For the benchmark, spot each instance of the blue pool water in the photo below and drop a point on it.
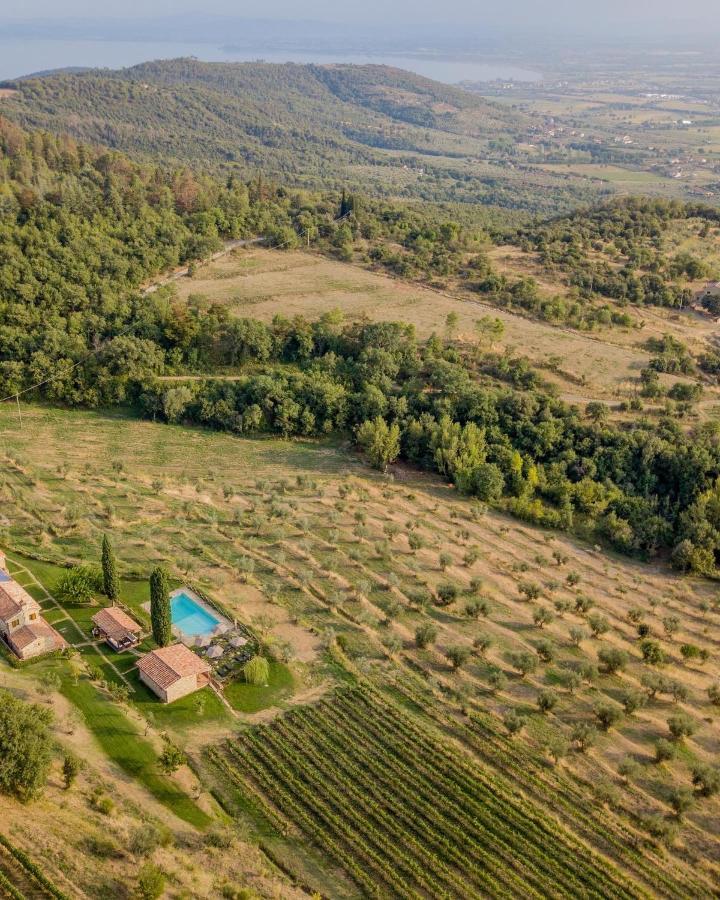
(190, 617)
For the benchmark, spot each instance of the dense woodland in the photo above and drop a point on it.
(617, 250)
(82, 229)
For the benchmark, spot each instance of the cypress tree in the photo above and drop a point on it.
(160, 607)
(111, 582)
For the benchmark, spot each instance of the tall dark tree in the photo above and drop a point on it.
(111, 582)
(160, 607)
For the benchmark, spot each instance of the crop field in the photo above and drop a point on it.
(303, 542)
(404, 815)
(23, 879)
(631, 180)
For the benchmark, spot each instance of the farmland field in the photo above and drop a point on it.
(301, 541)
(405, 815)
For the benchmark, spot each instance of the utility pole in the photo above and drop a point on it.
(17, 400)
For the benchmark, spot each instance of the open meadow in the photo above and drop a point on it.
(603, 365)
(516, 652)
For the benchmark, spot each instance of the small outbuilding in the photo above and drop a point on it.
(173, 672)
(116, 628)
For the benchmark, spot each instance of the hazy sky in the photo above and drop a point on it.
(698, 16)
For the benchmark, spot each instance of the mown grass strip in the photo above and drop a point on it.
(125, 746)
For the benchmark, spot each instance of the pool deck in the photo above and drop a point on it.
(199, 640)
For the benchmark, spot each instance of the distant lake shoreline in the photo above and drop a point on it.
(26, 56)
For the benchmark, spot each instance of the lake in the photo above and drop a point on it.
(23, 57)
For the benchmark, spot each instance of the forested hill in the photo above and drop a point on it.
(362, 127)
(283, 118)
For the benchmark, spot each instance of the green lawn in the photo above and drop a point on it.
(200, 708)
(248, 698)
(124, 744)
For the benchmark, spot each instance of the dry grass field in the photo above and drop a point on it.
(305, 542)
(604, 365)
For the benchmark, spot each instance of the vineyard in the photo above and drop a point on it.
(404, 815)
(21, 879)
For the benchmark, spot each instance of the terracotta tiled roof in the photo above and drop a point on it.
(115, 622)
(25, 636)
(14, 598)
(8, 607)
(167, 665)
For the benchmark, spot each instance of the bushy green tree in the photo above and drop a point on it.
(26, 746)
(379, 441)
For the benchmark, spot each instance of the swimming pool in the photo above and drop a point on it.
(191, 618)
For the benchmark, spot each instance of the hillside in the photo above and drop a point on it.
(337, 566)
(356, 126)
(444, 487)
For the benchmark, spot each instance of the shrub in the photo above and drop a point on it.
(150, 883)
(425, 635)
(547, 701)
(256, 671)
(524, 662)
(71, 769)
(146, 838)
(681, 725)
(608, 715)
(446, 593)
(458, 656)
(102, 803)
(706, 779)
(713, 693)
(612, 659)
(664, 751)
(689, 651)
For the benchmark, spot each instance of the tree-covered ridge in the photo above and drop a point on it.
(486, 423)
(315, 126)
(618, 250)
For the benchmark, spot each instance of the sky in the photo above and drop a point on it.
(688, 16)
